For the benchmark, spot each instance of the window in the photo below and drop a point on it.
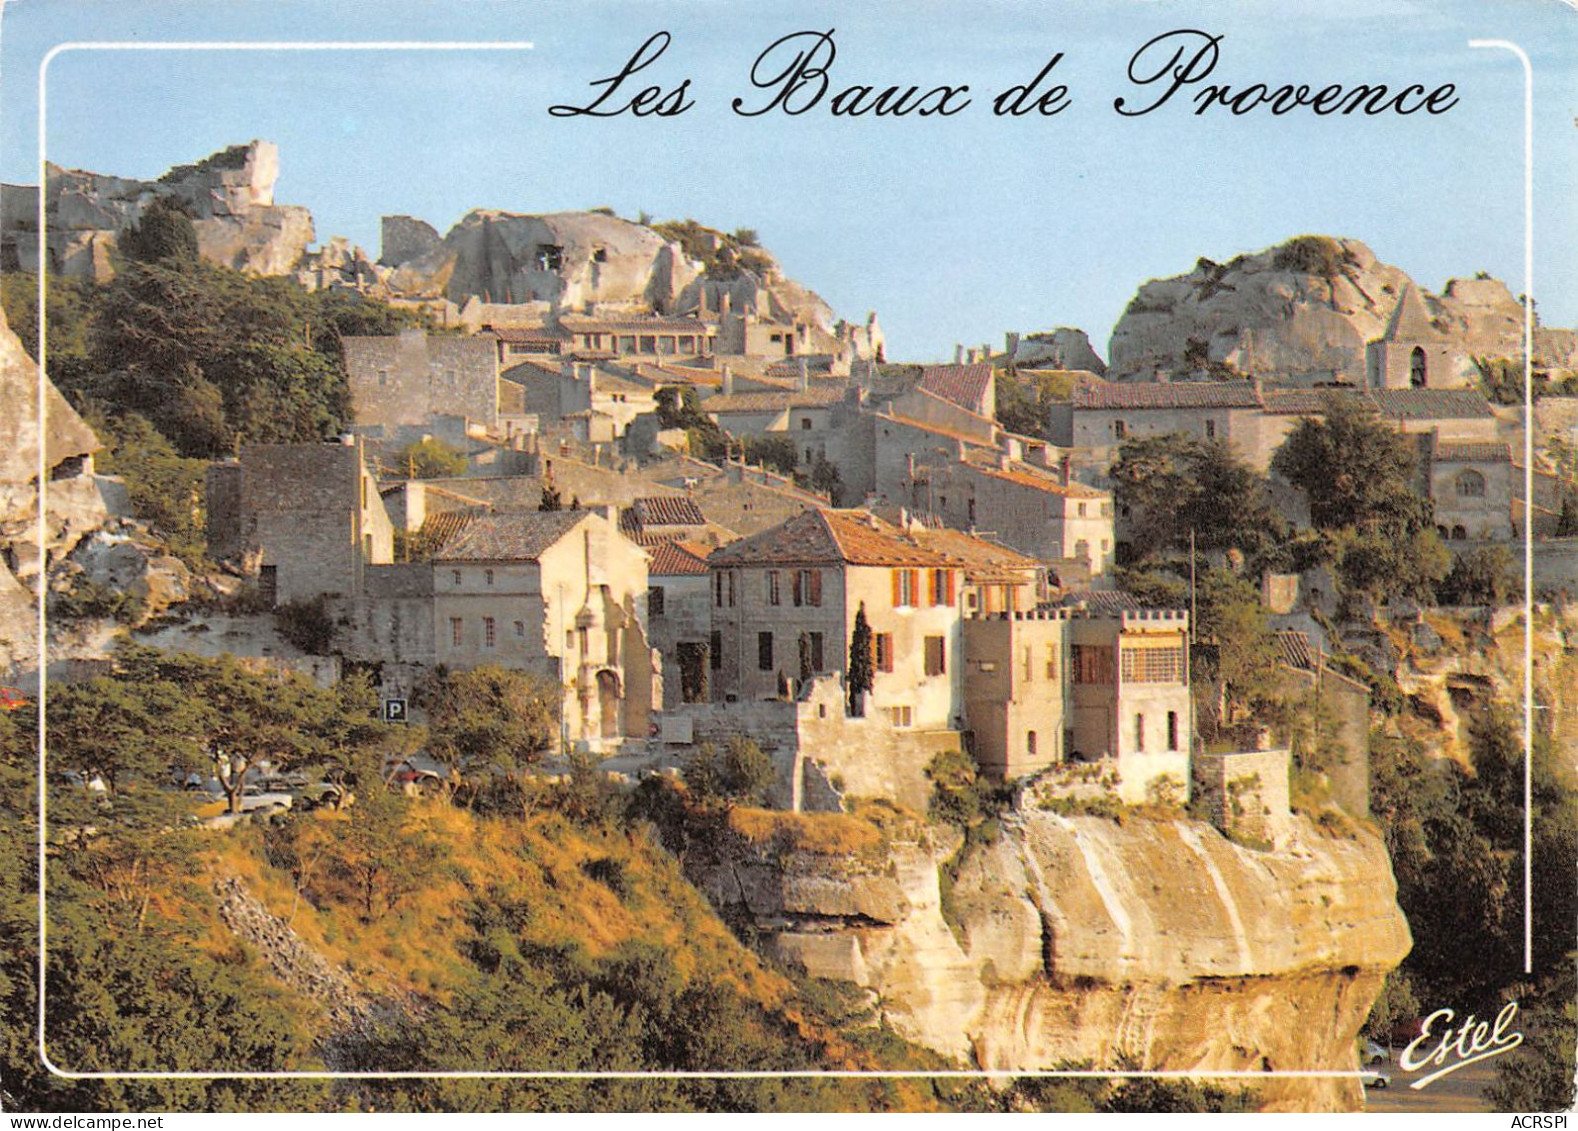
(490, 637)
(805, 424)
(734, 578)
(1139, 733)
(808, 587)
(764, 651)
(723, 588)
(1119, 429)
(1081, 510)
(941, 587)
(456, 631)
(367, 547)
(905, 584)
(648, 343)
(715, 646)
(1470, 484)
(487, 577)
(816, 651)
(550, 257)
(1172, 730)
(520, 628)
(1153, 665)
(1416, 368)
(884, 646)
(774, 597)
(901, 716)
(383, 378)
(970, 509)
(1091, 663)
(627, 343)
(454, 577)
(583, 640)
(599, 255)
(1051, 661)
(1030, 743)
(1082, 550)
(655, 600)
(1210, 429)
(1029, 671)
(268, 583)
(936, 663)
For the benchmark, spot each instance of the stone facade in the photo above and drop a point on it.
(307, 517)
(403, 382)
(1050, 686)
(563, 594)
(1246, 794)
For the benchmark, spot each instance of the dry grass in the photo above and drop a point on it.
(822, 834)
(538, 865)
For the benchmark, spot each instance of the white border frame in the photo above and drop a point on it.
(989, 1074)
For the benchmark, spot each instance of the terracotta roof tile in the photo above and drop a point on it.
(831, 537)
(963, 385)
(772, 402)
(1447, 452)
(509, 537)
(1431, 404)
(1174, 394)
(677, 558)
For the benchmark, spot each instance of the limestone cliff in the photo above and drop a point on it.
(1304, 311)
(1155, 943)
(230, 195)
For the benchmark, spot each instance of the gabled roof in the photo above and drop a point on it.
(773, 402)
(1410, 321)
(1028, 475)
(983, 560)
(518, 536)
(1453, 452)
(671, 559)
(963, 385)
(1431, 404)
(1109, 601)
(1099, 395)
(831, 537)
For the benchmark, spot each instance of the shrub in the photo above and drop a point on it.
(306, 625)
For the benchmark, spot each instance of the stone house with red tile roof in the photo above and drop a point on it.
(784, 604)
(679, 618)
(561, 593)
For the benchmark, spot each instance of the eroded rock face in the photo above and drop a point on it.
(1075, 939)
(564, 258)
(1062, 348)
(1287, 314)
(230, 195)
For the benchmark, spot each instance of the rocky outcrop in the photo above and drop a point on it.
(1062, 348)
(564, 259)
(1153, 943)
(230, 195)
(74, 504)
(1304, 311)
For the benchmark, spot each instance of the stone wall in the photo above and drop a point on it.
(1246, 793)
(405, 380)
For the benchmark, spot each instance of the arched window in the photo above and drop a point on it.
(1470, 484)
(1459, 534)
(1030, 743)
(1416, 367)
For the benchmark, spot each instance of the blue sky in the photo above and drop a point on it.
(953, 230)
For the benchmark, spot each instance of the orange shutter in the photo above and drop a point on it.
(950, 588)
(816, 587)
(896, 594)
(915, 587)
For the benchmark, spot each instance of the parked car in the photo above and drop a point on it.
(1375, 1054)
(1375, 1078)
(12, 699)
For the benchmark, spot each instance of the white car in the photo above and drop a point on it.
(1375, 1054)
(1375, 1078)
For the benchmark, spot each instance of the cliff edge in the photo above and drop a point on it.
(1155, 943)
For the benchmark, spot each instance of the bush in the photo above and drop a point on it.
(740, 774)
(88, 600)
(1312, 255)
(306, 625)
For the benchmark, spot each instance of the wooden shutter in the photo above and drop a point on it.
(798, 574)
(950, 590)
(897, 596)
(816, 586)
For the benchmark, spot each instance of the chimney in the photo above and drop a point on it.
(802, 375)
(1003, 461)
(611, 513)
(986, 352)
(728, 382)
(1067, 469)
(969, 357)
(958, 353)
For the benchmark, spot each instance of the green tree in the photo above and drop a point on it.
(861, 673)
(826, 479)
(430, 458)
(166, 490)
(1231, 617)
(1479, 577)
(490, 716)
(738, 774)
(550, 500)
(1355, 470)
(163, 234)
(1567, 520)
(379, 854)
(1172, 484)
(774, 450)
(1538, 1075)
